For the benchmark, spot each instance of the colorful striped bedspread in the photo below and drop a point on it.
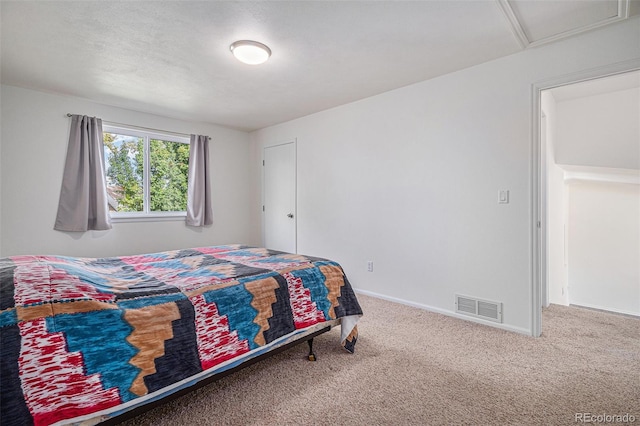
(85, 339)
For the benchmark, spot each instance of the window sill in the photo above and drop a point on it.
(152, 217)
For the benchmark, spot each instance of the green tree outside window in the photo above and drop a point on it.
(125, 169)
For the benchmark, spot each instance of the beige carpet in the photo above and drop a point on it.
(413, 367)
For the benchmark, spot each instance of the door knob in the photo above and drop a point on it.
(290, 215)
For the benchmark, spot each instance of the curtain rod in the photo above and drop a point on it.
(112, 123)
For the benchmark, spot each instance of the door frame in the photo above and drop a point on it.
(538, 214)
(293, 141)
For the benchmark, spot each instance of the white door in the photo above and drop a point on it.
(279, 197)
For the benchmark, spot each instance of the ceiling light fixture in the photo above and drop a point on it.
(250, 52)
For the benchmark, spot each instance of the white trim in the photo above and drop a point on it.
(535, 216)
(544, 220)
(606, 309)
(538, 211)
(574, 174)
(146, 180)
(623, 13)
(514, 23)
(590, 74)
(144, 131)
(151, 217)
(446, 312)
(518, 30)
(149, 130)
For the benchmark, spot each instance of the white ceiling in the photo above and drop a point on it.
(172, 57)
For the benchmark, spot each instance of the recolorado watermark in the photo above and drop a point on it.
(604, 418)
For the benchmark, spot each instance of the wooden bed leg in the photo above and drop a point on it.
(311, 356)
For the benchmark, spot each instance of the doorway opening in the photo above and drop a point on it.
(588, 193)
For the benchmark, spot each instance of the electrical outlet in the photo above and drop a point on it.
(370, 266)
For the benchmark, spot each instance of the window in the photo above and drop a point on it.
(146, 174)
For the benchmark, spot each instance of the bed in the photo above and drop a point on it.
(86, 340)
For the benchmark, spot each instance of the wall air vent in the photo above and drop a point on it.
(479, 308)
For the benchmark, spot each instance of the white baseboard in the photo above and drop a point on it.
(606, 309)
(449, 313)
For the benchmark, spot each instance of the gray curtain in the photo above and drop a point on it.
(199, 210)
(83, 201)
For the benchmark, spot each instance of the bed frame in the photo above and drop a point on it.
(147, 407)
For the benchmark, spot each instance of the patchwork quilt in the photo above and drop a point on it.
(85, 339)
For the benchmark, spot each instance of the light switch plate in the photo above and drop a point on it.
(503, 196)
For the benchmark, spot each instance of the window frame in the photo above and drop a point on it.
(147, 215)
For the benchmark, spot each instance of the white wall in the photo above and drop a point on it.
(35, 133)
(604, 246)
(600, 130)
(410, 178)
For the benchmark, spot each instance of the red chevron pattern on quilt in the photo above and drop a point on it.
(54, 382)
(35, 282)
(32, 285)
(305, 311)
(82, 337)
(216, 343)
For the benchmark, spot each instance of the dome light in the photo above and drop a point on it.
(250, 52)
